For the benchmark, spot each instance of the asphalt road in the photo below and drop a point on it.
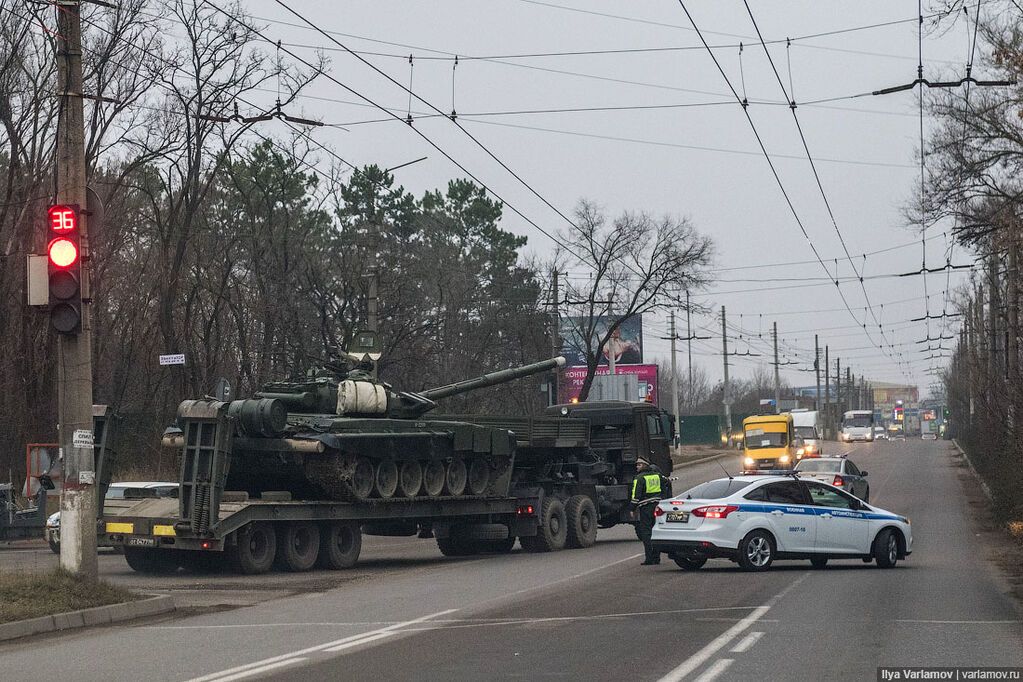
(407, 613)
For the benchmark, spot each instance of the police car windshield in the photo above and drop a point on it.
(715, 490)
(818, 466)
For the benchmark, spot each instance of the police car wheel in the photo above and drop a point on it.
(886, 549)
(819, 562)
(756, 551)
(689, 563)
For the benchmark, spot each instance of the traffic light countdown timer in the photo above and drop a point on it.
(64, 268)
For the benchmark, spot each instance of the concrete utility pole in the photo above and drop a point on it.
(611, 355)
(552, 393)
(674, 381)
(777, 377)
(689, 344)
(726, 397)
(817, 371)
(828, 420)
(849, 387)
(838, 388)
(78, 503)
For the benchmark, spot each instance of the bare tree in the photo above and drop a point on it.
(625, 267)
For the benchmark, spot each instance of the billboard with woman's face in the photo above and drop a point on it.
(626, 343)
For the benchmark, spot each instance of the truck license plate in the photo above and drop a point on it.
(678, 517)
(140, 542)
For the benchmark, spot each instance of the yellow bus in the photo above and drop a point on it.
(769, 442)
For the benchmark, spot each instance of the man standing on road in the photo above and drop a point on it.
(648, 487)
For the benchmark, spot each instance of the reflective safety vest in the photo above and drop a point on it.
(651, 487)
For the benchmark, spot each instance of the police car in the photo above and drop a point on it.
(755, 520)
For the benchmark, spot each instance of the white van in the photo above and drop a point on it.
(808, 426)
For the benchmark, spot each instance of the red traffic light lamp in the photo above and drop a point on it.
(65, 269)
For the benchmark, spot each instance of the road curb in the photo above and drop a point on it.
(100, 615)
(969, 463)
(694, 462)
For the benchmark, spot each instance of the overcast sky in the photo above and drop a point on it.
(699, 161)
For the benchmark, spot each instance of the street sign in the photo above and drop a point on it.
(82, 438)
(174, 359)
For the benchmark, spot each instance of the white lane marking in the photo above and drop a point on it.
(457, 621)
(313, 649)
(962, 622)
(364, 640)
(721, 641)
(712, 672)
(260, 671)
(746, 642)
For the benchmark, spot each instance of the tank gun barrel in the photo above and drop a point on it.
(492, 378)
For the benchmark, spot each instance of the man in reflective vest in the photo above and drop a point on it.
(648, 488)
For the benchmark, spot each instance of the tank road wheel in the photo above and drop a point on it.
(454, 477)
(363, 476)
(254, 549)
(298, 545)
(582, 521)
(386, 482)
(340, 545)
(552, 531)
(410, 478)
(433, 478)
(479, 476)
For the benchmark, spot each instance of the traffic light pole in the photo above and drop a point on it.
(78, 503)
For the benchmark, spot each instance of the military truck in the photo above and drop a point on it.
(295, 476)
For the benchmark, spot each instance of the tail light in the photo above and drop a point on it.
(525, 510)
(715, 512)
(838, 482)
(658, 512)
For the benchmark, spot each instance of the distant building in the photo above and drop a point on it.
(886, 395)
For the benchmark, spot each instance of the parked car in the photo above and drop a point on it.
(756, 519)
(116, 491)
(839, 472)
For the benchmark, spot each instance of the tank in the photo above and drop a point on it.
(351, 438)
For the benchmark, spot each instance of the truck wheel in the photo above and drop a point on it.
(410, 478)
(454, 479)
(479, 476)
(552, 531)
(145, 560)
(254, 549)
(298, 545)
(386, 480)
(582, 522)
(363, 477)
(433, 478)
(340, 545)
(454, 546)
(687, 562)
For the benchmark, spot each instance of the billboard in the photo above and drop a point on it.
(627, 343)
(572, 380)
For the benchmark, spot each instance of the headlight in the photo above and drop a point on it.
(784, 459)
(749, 461)
(800, 452)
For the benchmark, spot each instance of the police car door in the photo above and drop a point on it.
(792, 521)
(840, 526)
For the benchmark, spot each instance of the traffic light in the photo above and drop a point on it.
(64, 266)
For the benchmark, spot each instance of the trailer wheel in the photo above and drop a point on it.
(340, 545)
(410, 478)
(386, 481)
(582, 522)
(298, 545)
(455, 477)
(156, 561)
(254, 549)
(479, 476)
(433, 478)
(552, 531)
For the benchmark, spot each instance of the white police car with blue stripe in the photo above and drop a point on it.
(756, 519)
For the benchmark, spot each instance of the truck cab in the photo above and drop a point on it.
(769, 442)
